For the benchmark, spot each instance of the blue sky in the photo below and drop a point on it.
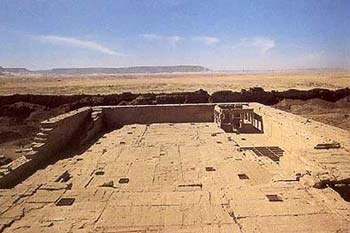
(221, 34)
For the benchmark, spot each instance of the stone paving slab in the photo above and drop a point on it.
(174, 178)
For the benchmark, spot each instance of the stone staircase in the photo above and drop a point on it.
(93, 126)
(39, 144)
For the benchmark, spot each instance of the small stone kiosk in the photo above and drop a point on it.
(238, 118)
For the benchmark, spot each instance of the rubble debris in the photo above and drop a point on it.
(298, 176)
(65, 201)
(52, 186)
(343, 190)
(99, 173)
(274, 198)
(243, 176)
(190, 185)
(109, 184)
(321, 146)
(124, 180)
(210, 169)
(64, 177)
(46, 224)
(272, 152)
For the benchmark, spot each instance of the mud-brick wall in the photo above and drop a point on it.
(182, 113)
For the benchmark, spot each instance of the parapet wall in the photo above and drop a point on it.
(55, 136)
(116, 116)
(62, 128)
(300, 138)
(296, 132)
(77, 127)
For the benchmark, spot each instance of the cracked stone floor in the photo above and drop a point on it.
(169, 178)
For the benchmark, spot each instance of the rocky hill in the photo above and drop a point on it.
(126, 70)
(121, 70)
(15, 70)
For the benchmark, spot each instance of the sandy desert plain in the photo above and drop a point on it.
(157, 83)
(18, 129)
(185, 177)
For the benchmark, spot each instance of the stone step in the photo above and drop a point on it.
(95, 114)
(48, 124)
(26, 150)
(95, 118)
(40, 139)
(46, 130)
(41, 135)
(31, 154)
(96, 109)
(37, 146)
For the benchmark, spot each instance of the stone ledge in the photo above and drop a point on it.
(54, 133)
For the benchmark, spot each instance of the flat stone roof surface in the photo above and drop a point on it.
(171, 178)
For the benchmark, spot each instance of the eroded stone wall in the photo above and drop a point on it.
(293, 131)
(55, 136)
(122, 115)
(289, 131)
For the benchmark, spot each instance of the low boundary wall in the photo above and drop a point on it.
(146, 114)
(54, 137)
(297, 132)
(79, 126)
(57, 134)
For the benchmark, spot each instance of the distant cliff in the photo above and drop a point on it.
(121, 70)
(15, 70)
(126, 70)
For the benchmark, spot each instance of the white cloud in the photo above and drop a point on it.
(155, 37)
(78, 43)
(263, 44)
(208, 40)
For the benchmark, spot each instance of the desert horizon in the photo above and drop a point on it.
(167, 83)
(174, 116)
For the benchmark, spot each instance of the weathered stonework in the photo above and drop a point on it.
(170, 168)
(54, 137)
